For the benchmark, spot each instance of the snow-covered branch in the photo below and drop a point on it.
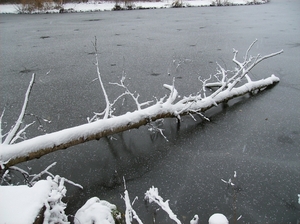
(130, 213)
(166, 107)
(152, 196)
(1, 135)
(14, 133)
(45, 171)
(107, 108)
(133, 95)
(241, 71)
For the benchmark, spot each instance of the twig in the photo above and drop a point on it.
(45, 171)
(173, 92)
(128, 92)
(73, 183)
(18, 135)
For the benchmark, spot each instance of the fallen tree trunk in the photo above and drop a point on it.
(11, 154)
(42, 145)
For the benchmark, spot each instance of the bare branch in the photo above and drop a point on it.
(16, 127)
(173, 92)
(19, 170)
(204, 84)
(248, 50)
(133, 95)
(154, 127)
(1, 117)
(152, 196)
(107, 108)
(242, 65)
(3, 178)
(130, 213)
(18, 135)
(223, 83)
(257, 61)
(71, 182)
(241, 71)
(45, 171)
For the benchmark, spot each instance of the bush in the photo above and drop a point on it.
(177, 4)
(30, 6)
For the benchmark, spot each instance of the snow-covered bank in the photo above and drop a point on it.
(16, 199)
(42, 202)
(107, 6)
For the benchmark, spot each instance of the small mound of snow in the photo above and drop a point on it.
(95, 211)
(218, 218)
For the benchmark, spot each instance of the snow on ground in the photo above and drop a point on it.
(107, 6)
(21, 204)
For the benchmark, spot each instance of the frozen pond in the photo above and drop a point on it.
(257, 136)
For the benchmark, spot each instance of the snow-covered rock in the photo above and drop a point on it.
(195, 220)
(95, 211)
(218, 218)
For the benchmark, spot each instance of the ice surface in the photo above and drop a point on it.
(263, 160)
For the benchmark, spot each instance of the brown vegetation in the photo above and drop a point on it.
(29, 6)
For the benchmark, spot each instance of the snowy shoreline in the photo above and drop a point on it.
(96, 6)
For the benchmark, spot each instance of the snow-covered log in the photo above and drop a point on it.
(230, 84)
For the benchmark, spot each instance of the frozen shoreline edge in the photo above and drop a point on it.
(110, 6)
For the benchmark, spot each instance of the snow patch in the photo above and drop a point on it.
(95, 211)
(22, 204)
(218, 218)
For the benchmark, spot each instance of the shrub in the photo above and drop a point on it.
(177, 4)
(30, 6)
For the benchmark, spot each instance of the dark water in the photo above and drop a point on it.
(257, 136)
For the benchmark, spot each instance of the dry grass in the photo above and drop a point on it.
(29, 6)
